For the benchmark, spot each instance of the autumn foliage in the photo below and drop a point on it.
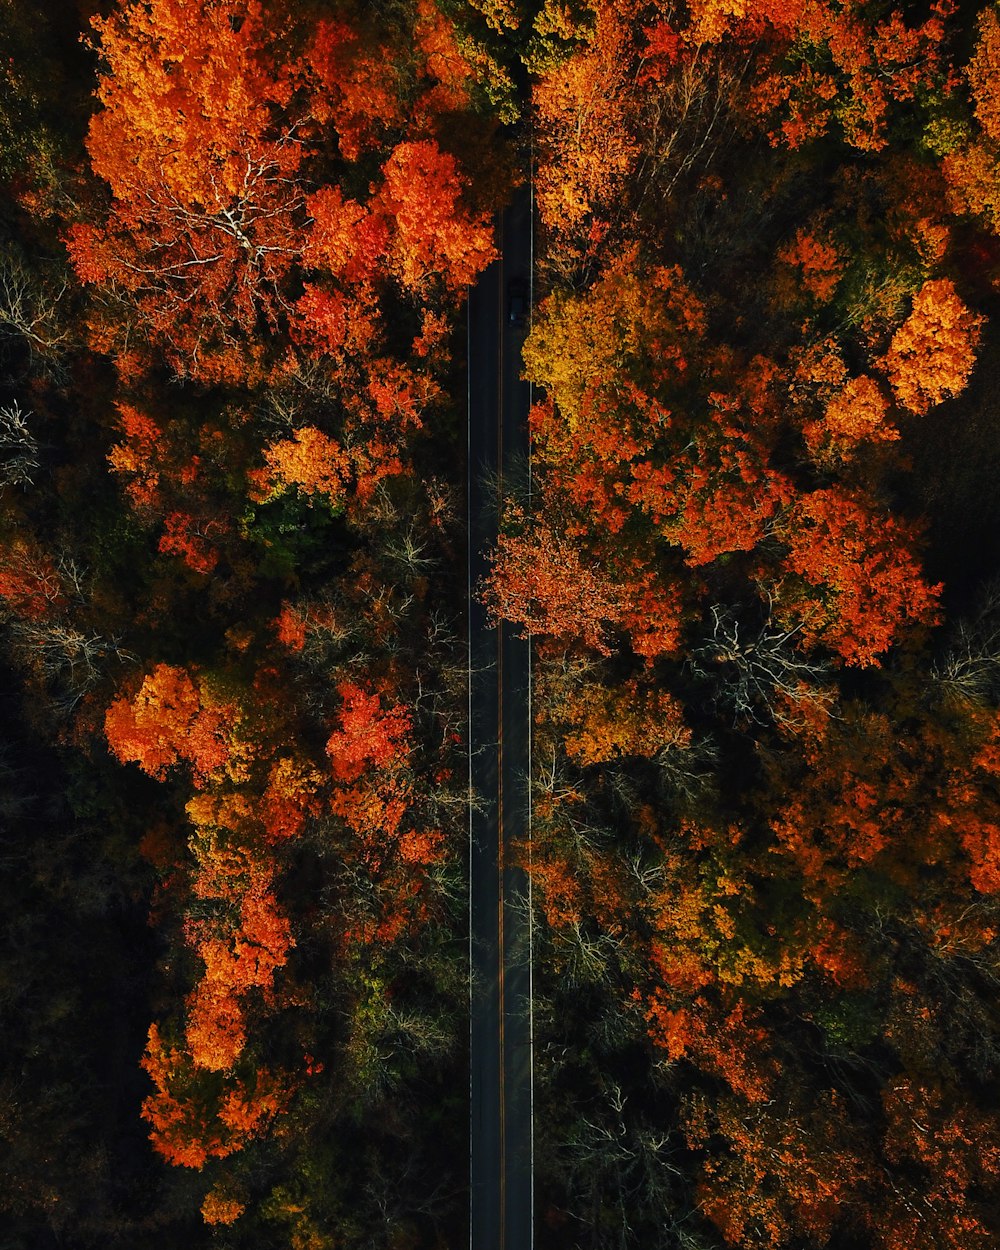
(170, 721)
(756, 559)
(764, 808)
(932, 353)
(206, 138)
(276, 227)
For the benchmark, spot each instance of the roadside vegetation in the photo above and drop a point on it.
(760, 566)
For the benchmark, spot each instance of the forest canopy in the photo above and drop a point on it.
(759, 565)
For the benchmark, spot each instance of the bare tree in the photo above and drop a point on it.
(30, 306)
(969, 672)
(410, 550)
(69, 661)
(65, 658)
(688, 776)
(623, 1171)
(583, 958)
(18, 447)
(759, 674)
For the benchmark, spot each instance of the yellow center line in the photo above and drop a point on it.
(500, 839)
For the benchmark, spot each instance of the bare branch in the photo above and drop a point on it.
(760, 675)
(18, 448)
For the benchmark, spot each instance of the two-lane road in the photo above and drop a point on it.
(501, 1216)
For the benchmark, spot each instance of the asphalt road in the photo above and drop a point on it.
(501, 1216)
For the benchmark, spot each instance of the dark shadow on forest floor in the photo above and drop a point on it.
(955, 483)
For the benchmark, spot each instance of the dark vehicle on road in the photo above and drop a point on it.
(518, 301)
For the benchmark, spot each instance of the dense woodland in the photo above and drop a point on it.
(760, 563)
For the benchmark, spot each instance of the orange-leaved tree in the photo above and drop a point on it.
(853, 582)
(542, 581)
(194, 1116)
(933, 351)
(432, 237)
(173, 718)
(206, 209)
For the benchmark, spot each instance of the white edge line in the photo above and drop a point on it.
(531, 913)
